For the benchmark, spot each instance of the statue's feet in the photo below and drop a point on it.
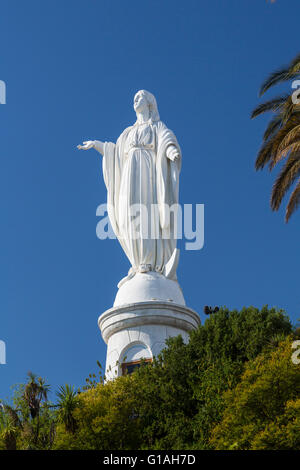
(159, 269)
(144, 268)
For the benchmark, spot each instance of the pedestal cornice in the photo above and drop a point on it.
(147, 313)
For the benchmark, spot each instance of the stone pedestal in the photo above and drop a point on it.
(148, 309)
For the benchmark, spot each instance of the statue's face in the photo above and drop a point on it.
(140, 103)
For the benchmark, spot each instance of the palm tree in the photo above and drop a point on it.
(8, 435)
(35, 391)
(67, 403)
(9, 424)
(281, 140)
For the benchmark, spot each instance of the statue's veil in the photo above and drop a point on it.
(152, 104)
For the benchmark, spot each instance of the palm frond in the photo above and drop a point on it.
(264, 155)
(68, 402)
(292, 136)
(289, 109)
(289, 150)
(274, 78)
(269, 148)
(272, 105)
(295, 64)
(284, 74)
(273, 126)
(13, 416)
(279, 152)
(281, 139)
(287, 176)
(294, 202)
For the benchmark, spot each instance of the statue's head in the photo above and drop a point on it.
(143, 99)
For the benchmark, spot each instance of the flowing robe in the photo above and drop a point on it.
(141, 181)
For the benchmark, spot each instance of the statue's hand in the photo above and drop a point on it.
(172, 153)
(88, 144)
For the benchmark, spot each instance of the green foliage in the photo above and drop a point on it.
(35, 391)
(8, 430)
(92, 381)
(262, 411)
(29, 422)
(162, 386)
(105, 418)
(209, 393)
(196, 375)
(282, 433)
(237, 336)
(67, 404)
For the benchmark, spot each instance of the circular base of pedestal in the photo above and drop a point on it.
(139, 330)
(150, 286)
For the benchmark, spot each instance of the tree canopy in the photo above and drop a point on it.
(233, 386)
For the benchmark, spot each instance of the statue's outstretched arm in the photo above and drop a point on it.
(89, 144)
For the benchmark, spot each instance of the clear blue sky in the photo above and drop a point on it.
(71, 69)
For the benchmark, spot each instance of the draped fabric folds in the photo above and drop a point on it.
(142, 185)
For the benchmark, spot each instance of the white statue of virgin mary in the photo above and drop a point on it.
(141, 174)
